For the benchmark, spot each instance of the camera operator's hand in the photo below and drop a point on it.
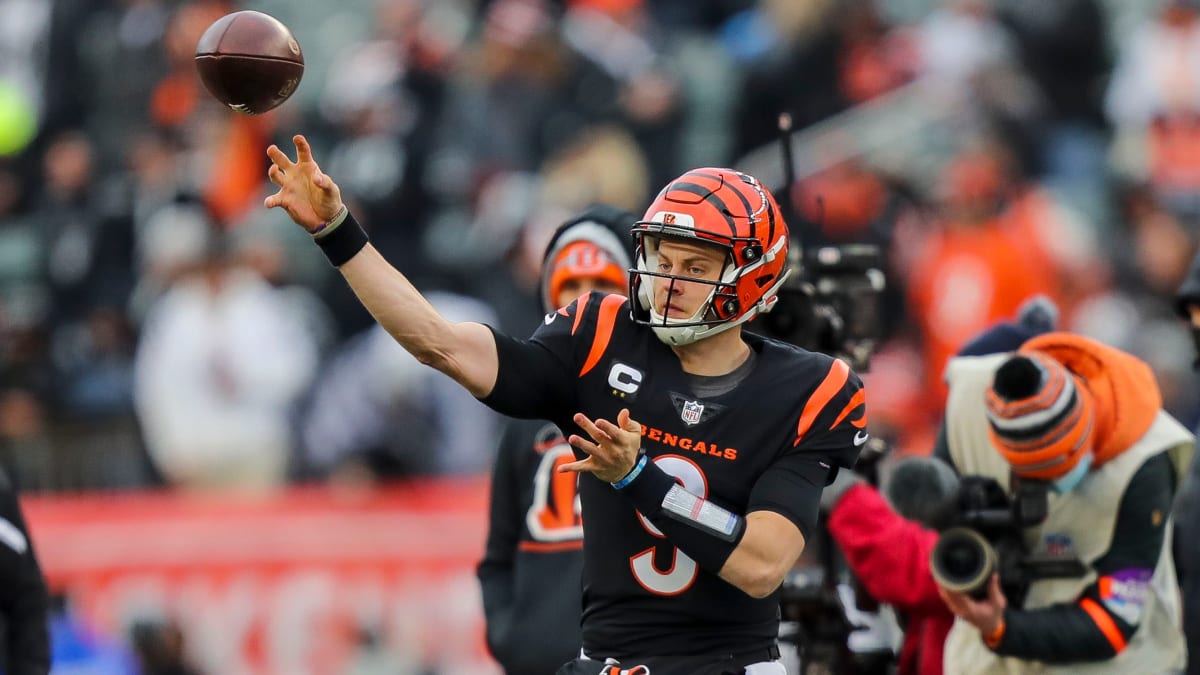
(986, 615)
(846, 479)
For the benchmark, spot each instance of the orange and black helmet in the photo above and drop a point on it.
(723, 208)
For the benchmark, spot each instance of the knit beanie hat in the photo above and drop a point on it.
(587, 246)
(582, 260)
(1035, 316)
(1041, 416)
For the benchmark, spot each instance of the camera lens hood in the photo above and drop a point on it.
(963, 560)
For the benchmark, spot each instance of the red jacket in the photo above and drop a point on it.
(890, 556)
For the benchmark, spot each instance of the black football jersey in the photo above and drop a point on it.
(769, 444)
(532, 570)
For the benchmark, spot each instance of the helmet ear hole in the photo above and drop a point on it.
(728, 307)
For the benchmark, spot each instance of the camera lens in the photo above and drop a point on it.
(962, 560)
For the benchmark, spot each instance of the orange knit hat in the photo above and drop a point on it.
(1041, 416)
(583, 260)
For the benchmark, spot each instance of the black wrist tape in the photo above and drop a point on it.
(344, 242)
(704, 531)
(649, 489)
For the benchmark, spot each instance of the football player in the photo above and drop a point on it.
(704, 448)
(531, 572)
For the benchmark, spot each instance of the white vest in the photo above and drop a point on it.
(1082, 519)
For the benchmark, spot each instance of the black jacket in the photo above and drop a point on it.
(24, 600)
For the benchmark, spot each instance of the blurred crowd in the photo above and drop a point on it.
(160, 327)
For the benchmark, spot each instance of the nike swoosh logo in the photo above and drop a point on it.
(550, 318)
(861, 437)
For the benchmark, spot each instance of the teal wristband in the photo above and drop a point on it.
(633, 473)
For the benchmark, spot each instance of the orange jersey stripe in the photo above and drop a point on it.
(838, 373)
(859, 398)
(1105, 623)
(605, 323)
(580, 307)
(550, 546)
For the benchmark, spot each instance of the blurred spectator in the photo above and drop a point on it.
(997, 242)
(1154, 102)
(160, 649)
(958, 41)
(385, 107)
(87, 240)
(787, 52)
(1064, 48)
(376, 413)
(26, 385)
(875, 58)
(113, 54)
(223, 357)
(1151, 249)
(620, 51)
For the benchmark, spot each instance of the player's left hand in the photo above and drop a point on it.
(983, 614)
(612, 450)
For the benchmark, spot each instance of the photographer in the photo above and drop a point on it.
(886, 541)
(887, 535)
(1086, 421)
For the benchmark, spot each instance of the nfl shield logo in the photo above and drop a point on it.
(692, 411)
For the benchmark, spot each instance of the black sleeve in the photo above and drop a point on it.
(537, 377)
(531, 383)
(830, 431)
(504, 530)
(792, 488)
(1087, 630)
(23, 595)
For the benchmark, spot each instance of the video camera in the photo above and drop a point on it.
(986, 535)
(823, 605)
(831, 303)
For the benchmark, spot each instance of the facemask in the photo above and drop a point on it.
(1074, 476)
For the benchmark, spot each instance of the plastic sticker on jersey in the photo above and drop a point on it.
(688, 508)
(1124, 593)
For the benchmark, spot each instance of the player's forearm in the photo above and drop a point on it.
(767, 551)
(464, 351)
(751, 552)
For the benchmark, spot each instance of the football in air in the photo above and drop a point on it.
(249, 61)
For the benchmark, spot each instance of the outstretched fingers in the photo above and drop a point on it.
(585, 464)
(303, 149)
(279, 159)
(591, 429)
